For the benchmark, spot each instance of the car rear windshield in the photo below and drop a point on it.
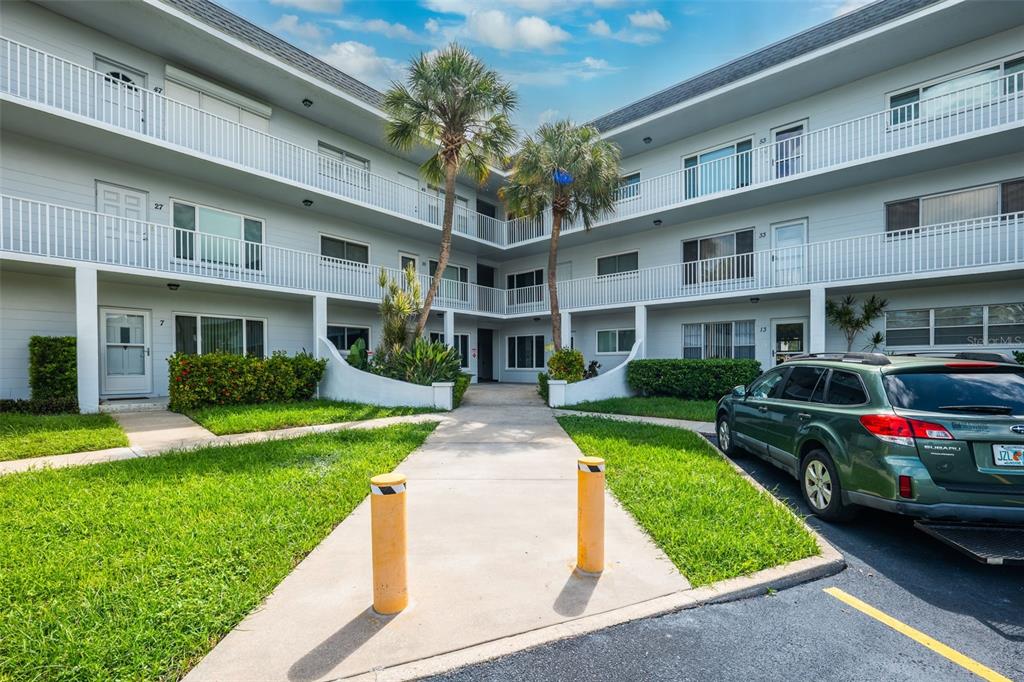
(983, 391)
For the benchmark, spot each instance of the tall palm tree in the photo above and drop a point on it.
(571, 170)
(451, 102)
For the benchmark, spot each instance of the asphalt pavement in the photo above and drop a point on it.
(804, 633)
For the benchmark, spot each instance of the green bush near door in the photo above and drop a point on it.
(690, 379)
(53, 373)
(227, 379)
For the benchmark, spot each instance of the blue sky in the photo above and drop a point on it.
(567, 58)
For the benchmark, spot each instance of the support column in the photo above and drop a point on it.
(641, 330)
(87, 333)
(816, 333)
(319, 322)
(449, 328)
(566, 339)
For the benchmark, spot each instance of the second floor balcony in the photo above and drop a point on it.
(33, 76)
(67, 235)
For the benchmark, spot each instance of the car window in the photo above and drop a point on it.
(819, 391)
(966, 390)
(801, 383)
(763, 387)
(845, 388)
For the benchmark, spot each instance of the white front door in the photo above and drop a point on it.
(125, 241)
(788, 241)
(410, 199)
(788, 150)
(789, 337)
(125, 361)
(122, 103)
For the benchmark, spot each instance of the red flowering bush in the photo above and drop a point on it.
(225, 379)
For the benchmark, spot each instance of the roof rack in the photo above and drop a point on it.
(860, 358)
(977, 355)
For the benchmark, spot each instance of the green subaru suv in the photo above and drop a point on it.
(938, 438)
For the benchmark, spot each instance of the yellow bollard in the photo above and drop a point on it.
(590, 515)
(387, 527)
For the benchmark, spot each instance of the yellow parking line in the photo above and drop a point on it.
(919, 637)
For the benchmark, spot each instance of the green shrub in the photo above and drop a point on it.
(357, 355)
(424, 363)
(226, 379)
(690, 379)
(566, 364)
(542, 385)
(61, 405)
(461, 384)
(1019, 356)
(52, 367)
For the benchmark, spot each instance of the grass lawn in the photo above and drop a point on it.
(37, 435)
(134, 570)
(672, 408)
(224, 419)
(710, 522)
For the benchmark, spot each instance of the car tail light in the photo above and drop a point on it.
(906, 487)
(901, 431)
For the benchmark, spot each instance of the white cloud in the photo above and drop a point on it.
(600, 28)
(586, 69)
(362, 61)
(850, 5)
(547, 116)
(290, 25)
(432, 25)
(541, 7)
(650, 20)
(395, 31)
(310, 5)
(497, 29)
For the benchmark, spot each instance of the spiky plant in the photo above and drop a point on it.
(571, 170)
(399, 304)
(848, 319)
(453, 104)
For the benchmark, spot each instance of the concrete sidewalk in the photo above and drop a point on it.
(492, 542)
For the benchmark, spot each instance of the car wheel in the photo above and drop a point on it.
(819, 483)
(726, 441)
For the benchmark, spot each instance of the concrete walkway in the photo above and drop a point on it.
(492, 542)
(158, 430)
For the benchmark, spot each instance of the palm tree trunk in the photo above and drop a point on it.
(446, 246)
(556, 315)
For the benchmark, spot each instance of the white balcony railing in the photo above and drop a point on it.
(33, 75)
(60, 232)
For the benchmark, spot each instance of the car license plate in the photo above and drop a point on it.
(1008, 455)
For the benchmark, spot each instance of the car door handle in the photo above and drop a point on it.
(762, 408)
(803, 416)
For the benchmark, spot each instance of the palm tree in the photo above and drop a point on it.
(452, 103)
(570, 169)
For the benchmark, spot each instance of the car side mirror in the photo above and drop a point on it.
(739, 392)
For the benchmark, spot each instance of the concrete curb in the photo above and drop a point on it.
(828, 562)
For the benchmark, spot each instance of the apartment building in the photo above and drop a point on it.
(175, 179)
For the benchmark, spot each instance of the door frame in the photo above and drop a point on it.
(775, 322)
(147, 346)
(415, 260)
(773, 227)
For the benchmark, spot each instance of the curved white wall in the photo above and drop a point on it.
(611, 384)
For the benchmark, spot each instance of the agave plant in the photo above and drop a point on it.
(399, 305)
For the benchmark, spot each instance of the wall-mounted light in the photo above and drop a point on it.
(648, 140)
(307, 103)
(657, 222)
(755, 299)
(307, 202)
(173, 286)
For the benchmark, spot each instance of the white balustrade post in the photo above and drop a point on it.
(641, 330)
(566, 339)
(87, 344)
(449, 328)
(319, 322)
(816, 333)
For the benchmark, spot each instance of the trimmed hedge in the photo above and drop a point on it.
(542, 385)
(62, 405)
(461, 384)
(226, 379)
(52, 368)
(690, 379)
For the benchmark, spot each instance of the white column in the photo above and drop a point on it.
(87, 333)
(641, 330)
(319, 322)
(816, 333)
(449, 328)
(566, 339)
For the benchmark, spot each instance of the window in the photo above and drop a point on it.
(963, 204)
(225, 238)
(718, 340)
(339, 166)
(721, 257)
(200, 334)
(767, 385)
(802, 383)
(454, 281)
(629, 186)
(995, 324)
(216, 99)
(525, 287)
(461, 345)
(615, 340)
(344, 336)
(946, 95)
(525, 352)
(932, 391)
(902, 215)
(342, 249)
(618, 264)
(845, 388)
(717, 170)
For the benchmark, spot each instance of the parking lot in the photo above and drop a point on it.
(974, 613)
